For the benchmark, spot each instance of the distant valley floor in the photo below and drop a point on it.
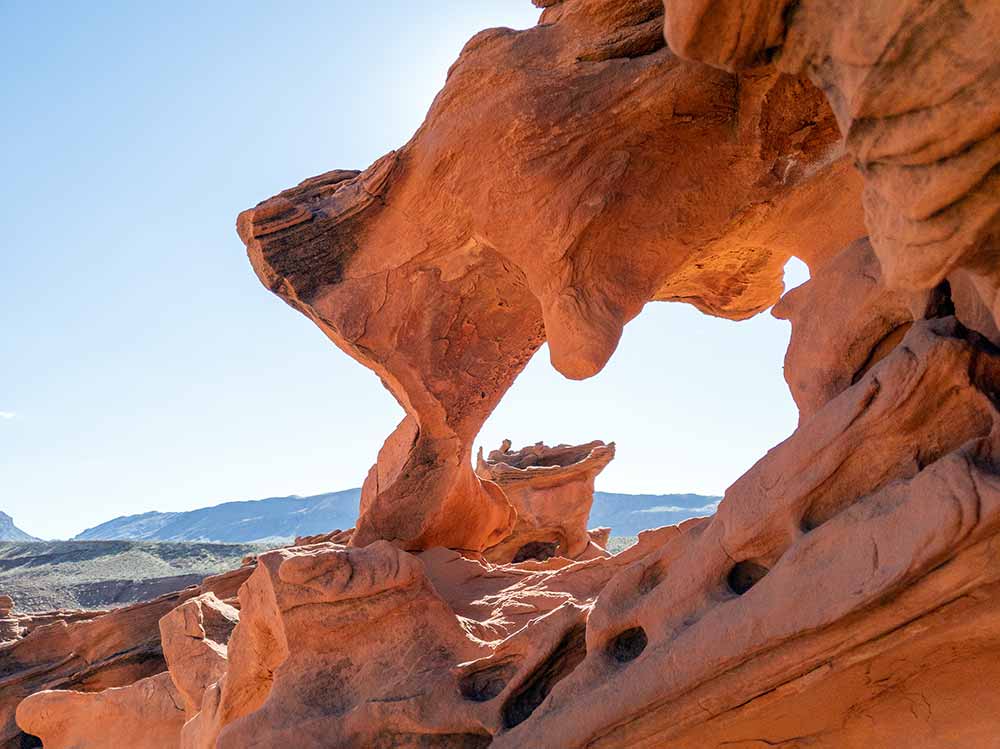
(47, 575)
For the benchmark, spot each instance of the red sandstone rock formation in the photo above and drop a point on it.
(91, 652)
(146, 714)
(565, 176)
(149, 713)
(825, 357)
(194, 637)
(552, 490)
(915, 86)
(847, 591)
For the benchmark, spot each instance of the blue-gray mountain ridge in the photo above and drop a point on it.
(282, 518)
(10, 532)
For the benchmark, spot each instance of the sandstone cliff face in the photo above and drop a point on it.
(845, 594)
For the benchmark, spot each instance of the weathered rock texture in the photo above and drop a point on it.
(552, 490)
(565, 176)
(915, 86)
(146, 714)
(90, 652)
(847, 591)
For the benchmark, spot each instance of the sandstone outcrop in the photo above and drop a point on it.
(91, 652)
(10, 628)
(633, 176)
(915, 87)
(847, 591)
(149, 713)
(552, 490)
(146, 714)
(194, 637)
(827, 356)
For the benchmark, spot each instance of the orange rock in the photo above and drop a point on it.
(145, 715)
(844, 320)
(566, 175)
(91, 652)
(915, 87)
(315, 658)
(903, 463)
(194, 637)
(552, 489)
(845, 594)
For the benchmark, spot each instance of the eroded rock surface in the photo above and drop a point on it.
(552, 490)
(844, 320)
(845, 594)
(633, 176)
(90, 652)
(915, 86)
(146, 714)
(194, 637)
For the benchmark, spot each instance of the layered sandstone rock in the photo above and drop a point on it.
(846, 592)
(146, 714)
(826, 356)
(564, 177)
(317, 655)
(901, 466)
(915, 86)
(552, 490)
(90, 652)
(10, 628)
(195, 636)
(149, 713)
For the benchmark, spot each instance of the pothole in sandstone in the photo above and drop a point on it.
(628, 645)
(744, 575)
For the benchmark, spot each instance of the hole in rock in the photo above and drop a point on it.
(566, 656)
(487, 683)
(744, 575)
(651, 577)
(678, 380)
(27, 741)
(810, 523)
(628, 645)
(940, 303)
(540, 550)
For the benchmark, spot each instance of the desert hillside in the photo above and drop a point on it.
(101, 574)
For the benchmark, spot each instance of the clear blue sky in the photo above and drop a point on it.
(143, 366)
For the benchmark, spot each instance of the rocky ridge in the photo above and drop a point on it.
(10, 532)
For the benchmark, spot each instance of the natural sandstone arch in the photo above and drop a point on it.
(845, 594)
(565, 176)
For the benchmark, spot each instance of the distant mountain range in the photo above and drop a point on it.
(283, 518)
(627, 514)
(10, 532)
(275, 518)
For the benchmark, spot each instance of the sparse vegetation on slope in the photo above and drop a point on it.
(102, 574)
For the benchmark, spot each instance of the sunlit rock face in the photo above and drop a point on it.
(85, 653)
(915, 87)
(847, 591)
(565, 176)
(552, 490)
